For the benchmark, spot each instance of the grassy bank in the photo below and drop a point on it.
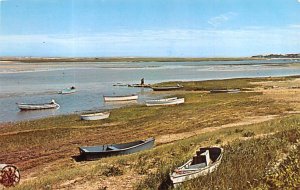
(43, 148)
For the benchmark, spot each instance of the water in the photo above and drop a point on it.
(93, 80)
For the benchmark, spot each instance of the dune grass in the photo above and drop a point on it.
(51, 142)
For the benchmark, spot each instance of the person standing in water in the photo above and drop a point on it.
(142, 81)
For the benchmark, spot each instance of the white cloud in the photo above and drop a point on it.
(185, 42)
(216, 21)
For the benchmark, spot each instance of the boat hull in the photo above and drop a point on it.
(95, 116)
(67, 91)
(87, 153)
(24, 107)
(203, 172)
(120, 98)
(192, 173)
(165, 102)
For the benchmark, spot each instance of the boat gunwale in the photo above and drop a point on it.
(121, 96)
(95, 114)
(119, 150)
(194, 171)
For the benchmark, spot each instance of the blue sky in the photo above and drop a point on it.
(174, 28)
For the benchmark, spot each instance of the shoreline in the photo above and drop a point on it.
(163, 95)
(15, 67)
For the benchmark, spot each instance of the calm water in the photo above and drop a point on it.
(97, 79)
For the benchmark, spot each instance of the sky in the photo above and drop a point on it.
(148, 28)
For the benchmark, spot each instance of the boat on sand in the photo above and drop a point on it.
(205, 161)
(51, 105)
(167, 88)
(165, 102)
(97, 152)
(95, 116)
(120, 98)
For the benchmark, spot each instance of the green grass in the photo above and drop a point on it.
(244, 160)
(51, 142)
(244, 163)
(241, 83)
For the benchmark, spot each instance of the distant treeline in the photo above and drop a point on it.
(291, 55)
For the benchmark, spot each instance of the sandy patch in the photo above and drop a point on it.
(247, 121)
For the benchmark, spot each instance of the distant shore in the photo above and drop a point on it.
(123, 59)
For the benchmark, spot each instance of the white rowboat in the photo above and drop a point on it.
(95, 116)
(51, 105)
(68, 90)
(120, 98)
(204, 162)
(165, 102)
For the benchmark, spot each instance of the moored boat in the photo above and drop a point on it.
(51, 105)
(120, 98)
(68, 90)
(95, 116)
(165, 102)
(204, 162)
(167, 88)
(97, 152)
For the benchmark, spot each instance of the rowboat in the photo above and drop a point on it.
(97, 152)
(51, 105)
(95, 116)
(165, 102)
(204, 162)
(230, 91)
(68, 90)
(120, 98)
(167, 88)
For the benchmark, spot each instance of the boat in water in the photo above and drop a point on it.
(95, 116)
(205, 161)
(167, 88)
(165, 102)
(120, 98)
(97, 152)
(51, 105)
(68, 90)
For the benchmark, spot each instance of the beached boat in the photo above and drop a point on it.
(204, 162)
(51, 105)
(165, 102)
(68, 90)
(167, 88)
(120, 98)
(95, 116)
(230, 91)
(96, 152)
